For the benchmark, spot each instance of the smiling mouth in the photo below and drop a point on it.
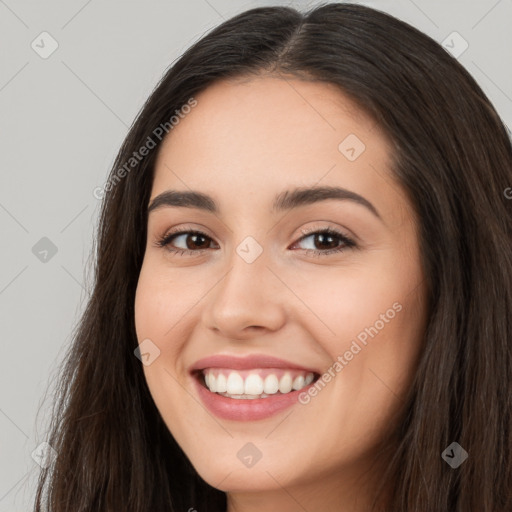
(254, 383)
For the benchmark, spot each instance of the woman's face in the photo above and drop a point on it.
(264, 280)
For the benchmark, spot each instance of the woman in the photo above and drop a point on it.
(279, 373)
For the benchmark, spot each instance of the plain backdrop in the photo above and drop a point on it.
(63, 117)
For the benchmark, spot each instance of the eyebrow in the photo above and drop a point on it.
(286, 200)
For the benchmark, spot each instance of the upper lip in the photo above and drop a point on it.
(246, 363)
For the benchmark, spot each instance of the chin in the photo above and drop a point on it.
(234, 478)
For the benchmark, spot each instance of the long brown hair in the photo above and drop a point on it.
(452, 156)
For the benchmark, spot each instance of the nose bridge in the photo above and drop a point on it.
(248, 294)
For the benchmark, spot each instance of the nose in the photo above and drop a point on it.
(250, 299)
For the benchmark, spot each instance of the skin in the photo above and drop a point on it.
(245, 142)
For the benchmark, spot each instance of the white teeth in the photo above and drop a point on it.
(271, 385)
(254, 386)
(235, 384)
(244, 397)
(298, 383)
(285, 384)
(222, 384)
(212, 383)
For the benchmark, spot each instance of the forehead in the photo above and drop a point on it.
(261, 135)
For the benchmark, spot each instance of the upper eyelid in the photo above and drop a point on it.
(305, 233)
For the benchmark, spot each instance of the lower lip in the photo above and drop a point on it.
(246, 409)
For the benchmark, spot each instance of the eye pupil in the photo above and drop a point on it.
(195, 237)
(323, 236)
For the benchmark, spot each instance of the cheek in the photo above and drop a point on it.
(157, 314)
(371, 322)
(162, 302)
(158, 311)
(342, 303)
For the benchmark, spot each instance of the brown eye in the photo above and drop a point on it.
(194, 241)
(324, 242)
(327, 241)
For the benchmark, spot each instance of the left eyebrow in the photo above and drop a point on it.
(286, 200)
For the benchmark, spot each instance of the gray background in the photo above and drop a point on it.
(62, 121)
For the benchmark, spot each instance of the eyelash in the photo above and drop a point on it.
(165, 240)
